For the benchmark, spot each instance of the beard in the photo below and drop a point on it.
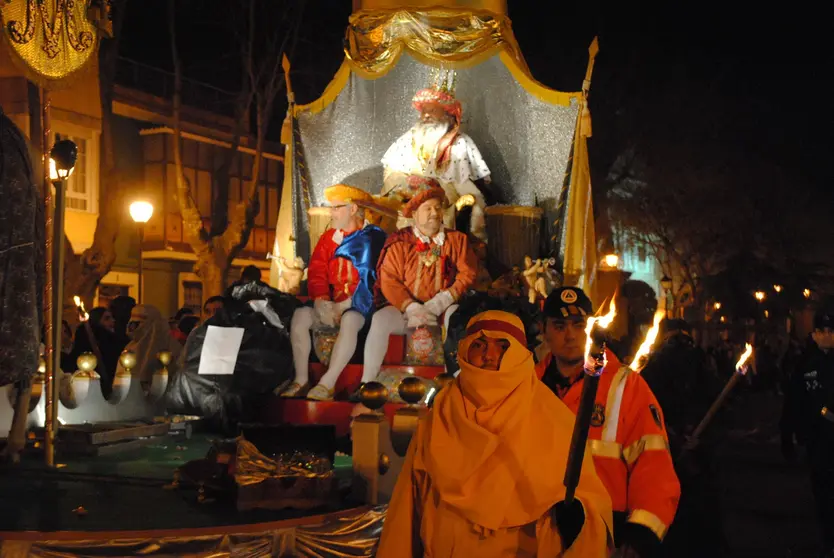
(427, 134)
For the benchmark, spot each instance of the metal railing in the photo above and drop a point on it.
(160, 83)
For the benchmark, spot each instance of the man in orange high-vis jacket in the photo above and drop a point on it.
(627, 436)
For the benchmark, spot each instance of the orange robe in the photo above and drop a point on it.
(405, 278)
(485, 468)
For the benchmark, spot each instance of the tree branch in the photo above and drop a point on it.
(265, 90)
(191, 217)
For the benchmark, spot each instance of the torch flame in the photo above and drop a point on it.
(648, 342)
(601, 322)
(740, 365)
(82, 312)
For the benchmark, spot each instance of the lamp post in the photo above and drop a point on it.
(141, 212)
(666, 283)
(62, 159)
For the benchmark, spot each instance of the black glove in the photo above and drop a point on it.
(569, 519)
(640, 540)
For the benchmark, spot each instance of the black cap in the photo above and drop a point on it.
(568, 303)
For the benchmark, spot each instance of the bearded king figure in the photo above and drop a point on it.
(436, 148)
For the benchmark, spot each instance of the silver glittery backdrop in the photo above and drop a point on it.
(525, 142)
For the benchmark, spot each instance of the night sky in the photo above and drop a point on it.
(750, 89)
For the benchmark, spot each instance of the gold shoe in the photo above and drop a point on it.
(294, 390)
(321, 393)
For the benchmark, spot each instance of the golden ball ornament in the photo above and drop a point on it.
(412, 390)
(444, 380)
(87, 362)
(164, 357)
(128, 360)
(384, 463)
(373, 395)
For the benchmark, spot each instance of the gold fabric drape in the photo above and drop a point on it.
(446, 37)
(580, 259)
(339, 535)
(51, 41)
(253, 467)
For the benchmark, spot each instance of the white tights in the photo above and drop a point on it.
(300, 326)
(387, 321)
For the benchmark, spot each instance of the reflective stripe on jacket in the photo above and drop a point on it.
(628, 440)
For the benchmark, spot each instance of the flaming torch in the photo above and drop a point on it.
(82, 312)
(741, 370)
(642, 356)
(594, 365)
(85, 319)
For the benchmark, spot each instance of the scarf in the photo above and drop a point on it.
(498, 440)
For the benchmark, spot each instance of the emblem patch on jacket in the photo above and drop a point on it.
(598, 415)
(656, 416)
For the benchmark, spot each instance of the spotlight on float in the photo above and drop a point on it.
(62, 159)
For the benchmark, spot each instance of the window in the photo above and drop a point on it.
(106, 293)
(193, 295)
(82, 185)
(78, 190)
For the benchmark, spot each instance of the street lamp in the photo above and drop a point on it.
(760, 295)
(717, 306)
(141, 212)
(777, 288)
(806, 293)
(611, 260)
(666, 283)
(62, 159)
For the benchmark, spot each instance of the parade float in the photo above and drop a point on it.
(539, 224)
(538, 230)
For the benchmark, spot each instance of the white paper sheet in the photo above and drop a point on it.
(220, 349)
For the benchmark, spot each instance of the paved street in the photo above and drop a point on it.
(767, 502)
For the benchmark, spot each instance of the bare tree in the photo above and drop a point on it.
(263, 81)
(83, 274)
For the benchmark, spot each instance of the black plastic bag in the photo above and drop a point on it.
(264, 360)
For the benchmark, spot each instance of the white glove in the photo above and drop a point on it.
(439, 303)
(325, 311)
(417, 315)
(340, 308)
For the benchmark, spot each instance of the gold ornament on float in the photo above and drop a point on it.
(87, 362)
(53, 38)
(373, 395)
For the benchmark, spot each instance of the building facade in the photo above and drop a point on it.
(143, 146)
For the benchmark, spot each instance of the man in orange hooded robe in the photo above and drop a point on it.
(483, 476)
